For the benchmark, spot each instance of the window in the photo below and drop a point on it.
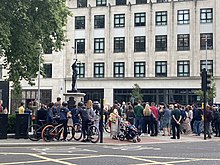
(140, 19)
(47, 70)
(119, 68)
(141, 1)
(139, 69)
(99, 70)
(81, 70)
(1, 69)
(139, 44)
(119, 44)
(120, 2)
(183, 68)
(161, 18)
(101, 2)
(80, 22)
(81, 3)
(161, 69)
(80, 47)
(119, 20)
(183, 17)
(206, 37)
(206, 15)
(161, 43)
(99, 21)
(183, 42)
(99, 45)
(161, 1)
(209, 65)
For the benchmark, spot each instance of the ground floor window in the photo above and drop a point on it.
(181, 96)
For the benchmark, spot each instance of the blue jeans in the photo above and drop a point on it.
(197, 127)
(138, 124)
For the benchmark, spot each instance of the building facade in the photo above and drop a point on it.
(161, 45)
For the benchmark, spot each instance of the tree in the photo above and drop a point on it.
(28, 28)
(136, 93)
(210, 94)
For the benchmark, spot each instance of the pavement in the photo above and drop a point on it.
(107, 140)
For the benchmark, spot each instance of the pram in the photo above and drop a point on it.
(128, 131)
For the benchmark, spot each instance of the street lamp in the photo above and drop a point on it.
(38, 89)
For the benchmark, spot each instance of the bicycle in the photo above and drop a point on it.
(51, 132)
(93, 134)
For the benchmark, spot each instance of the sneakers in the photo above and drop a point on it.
(141, 135)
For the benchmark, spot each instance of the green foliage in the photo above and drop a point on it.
(11, 123)
(210, 94)
(28, 28)
(136, 93)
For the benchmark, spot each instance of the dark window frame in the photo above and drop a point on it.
(139, 69)
(139, 44)
(206, 15)
(183, 42)
(203, 41)
(161, 65)
(183, 68)
(119, 20)
(80, 46)
(120, 2)
(141, 1)
(140, 19)
(99, 70)
(183, 17)
(47, 70)
(81, 70)
(101, 2)
(161, 43)
(80, 22)
(119, 44)
(120, 66)
(209, 66)
(99, 45)
(159, 18)
(81, 3)
(99, 21)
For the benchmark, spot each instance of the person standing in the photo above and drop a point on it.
(197, 121)
(64, 114)
(175, 121)
(114, 119)
(138, 112)
(208, 120)
(166, 120)
(147, 119)
(21, 108)
(130, 114)
(216, 121)
(155, 117)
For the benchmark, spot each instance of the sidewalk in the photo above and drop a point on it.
(12, 142)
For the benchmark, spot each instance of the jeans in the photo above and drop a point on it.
(197, 127)
(176, 130)
(138, 123)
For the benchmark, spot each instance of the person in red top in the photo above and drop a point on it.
(155, 116)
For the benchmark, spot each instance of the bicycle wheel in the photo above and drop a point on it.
(77, 131)
(34, 132)
(94, 134)
(70, 132)
(107, 127)
(47, 133)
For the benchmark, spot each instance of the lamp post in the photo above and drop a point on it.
(38, 89)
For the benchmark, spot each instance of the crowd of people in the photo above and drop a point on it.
(169, 120)
(150, 119)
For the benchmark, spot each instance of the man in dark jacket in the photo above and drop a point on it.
(197, 116)
(208, 120)
(175, 121)
(85, 120)
(216, 121)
